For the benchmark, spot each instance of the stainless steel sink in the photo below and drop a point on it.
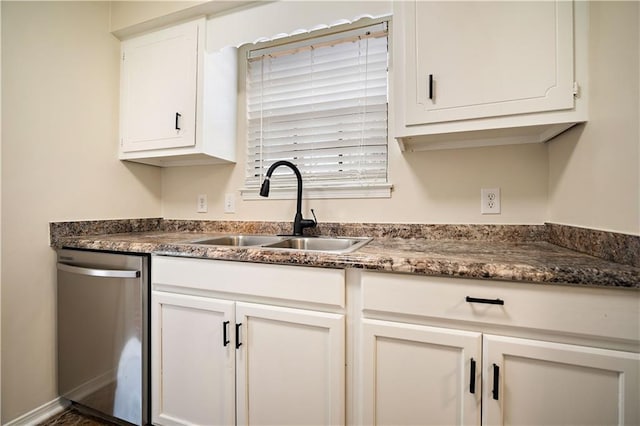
(326, 244)
(239, 240)
(339, 244)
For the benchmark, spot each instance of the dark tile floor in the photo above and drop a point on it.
(72, 417)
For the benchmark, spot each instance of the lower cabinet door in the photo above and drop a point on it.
(529, 382)
(193, 367)
(419, 375)
(290, 366)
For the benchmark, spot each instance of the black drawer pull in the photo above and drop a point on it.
(178, 115)
(431, 86)
(496, 382)
(488, 301)
(225, 338)
(238, 342)
(472, 377)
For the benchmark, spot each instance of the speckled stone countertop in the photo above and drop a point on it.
(513, 253)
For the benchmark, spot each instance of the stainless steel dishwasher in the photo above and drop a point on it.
(103, 333)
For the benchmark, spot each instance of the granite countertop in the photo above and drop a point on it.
(526, 261)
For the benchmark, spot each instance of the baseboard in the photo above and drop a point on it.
(40, 414)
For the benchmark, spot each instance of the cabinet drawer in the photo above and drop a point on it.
(292, 283)
(609, 313)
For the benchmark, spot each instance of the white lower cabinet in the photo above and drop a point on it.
(194, 360)
(531, 382)
(489, 361)
(290, 367)
(220, 360)
(424, 375)
(254, 344)
(419, 375)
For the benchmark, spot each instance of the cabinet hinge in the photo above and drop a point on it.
(123, 56)
(576, 89)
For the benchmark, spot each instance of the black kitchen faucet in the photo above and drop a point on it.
(298, 222)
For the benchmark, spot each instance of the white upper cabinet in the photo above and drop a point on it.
(159, 76)
(177, 101)
(484, 73)
(489, 58)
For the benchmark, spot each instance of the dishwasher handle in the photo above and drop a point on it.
(104, 273)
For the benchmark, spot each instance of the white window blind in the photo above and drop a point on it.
(321, 104)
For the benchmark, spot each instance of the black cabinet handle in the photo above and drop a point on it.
(178, 115)
(238, 342)
(472, 377)
(225, 338)
(488, 301)
(431, 86)
(496, 382)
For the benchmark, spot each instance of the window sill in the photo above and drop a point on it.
(382, 190)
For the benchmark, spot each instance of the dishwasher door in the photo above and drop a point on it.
(103, 332)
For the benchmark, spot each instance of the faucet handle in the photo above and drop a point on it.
(307, 223)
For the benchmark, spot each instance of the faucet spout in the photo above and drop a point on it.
(299, 223)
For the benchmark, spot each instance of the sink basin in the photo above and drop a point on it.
(239, 240)
(328, 244)
(339, 245)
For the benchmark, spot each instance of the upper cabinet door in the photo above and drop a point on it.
(158, 89)
(468, 60)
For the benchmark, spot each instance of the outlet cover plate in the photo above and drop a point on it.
(490, 201)
(201, 207)
(229, 203)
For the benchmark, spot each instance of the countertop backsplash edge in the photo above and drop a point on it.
(60, 230)
(613, 246)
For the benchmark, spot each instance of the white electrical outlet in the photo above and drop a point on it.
(490, 201)
(202, 203)
(229, 203)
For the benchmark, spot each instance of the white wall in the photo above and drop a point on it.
(433, 187)
(60, 77)
(595, 169)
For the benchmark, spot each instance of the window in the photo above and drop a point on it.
(321, 104)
